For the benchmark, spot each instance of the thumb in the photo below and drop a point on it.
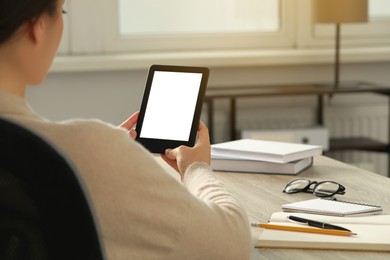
(171, 154)
(203, 134)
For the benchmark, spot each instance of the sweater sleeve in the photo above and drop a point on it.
(217, 227)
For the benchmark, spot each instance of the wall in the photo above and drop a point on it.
(114, 95)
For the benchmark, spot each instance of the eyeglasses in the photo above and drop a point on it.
(320, 189)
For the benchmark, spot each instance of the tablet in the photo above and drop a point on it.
(171, 107)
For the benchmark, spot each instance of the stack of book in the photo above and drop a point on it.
(257, 156)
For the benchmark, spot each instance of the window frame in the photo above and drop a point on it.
(311, 35)
(92, 45)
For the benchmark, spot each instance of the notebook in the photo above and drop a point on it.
(372, 234)
(332, 207)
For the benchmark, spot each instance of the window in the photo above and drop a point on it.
(379, 9)
(172, 17)
(133, 33)
(198, 25)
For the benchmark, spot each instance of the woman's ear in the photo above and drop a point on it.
(37, 29)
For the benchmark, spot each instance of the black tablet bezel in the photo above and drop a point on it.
(160, 145)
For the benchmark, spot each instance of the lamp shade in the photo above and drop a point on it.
(340, 11)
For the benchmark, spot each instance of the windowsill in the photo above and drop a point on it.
(234, 58)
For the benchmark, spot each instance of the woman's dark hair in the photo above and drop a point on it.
(13, 13)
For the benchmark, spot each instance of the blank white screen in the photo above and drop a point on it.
(171, 105)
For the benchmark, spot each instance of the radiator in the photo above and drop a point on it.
(369, 121)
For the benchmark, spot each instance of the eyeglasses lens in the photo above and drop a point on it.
(296, 186)
(326, 189)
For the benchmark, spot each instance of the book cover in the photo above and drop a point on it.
(270, 151)
(332, 207)
(254, 166)
(371, 234)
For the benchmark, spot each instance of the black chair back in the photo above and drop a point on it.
(45, 212)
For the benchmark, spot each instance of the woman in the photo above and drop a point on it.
(143, 212)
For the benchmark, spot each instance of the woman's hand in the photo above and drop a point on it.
(130, 123)
(182, 157)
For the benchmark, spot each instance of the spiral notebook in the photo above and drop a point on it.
(332, 207)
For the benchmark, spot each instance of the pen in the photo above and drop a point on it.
(305, 229)
(317, 224)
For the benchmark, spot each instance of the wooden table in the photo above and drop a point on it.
(261, 195)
